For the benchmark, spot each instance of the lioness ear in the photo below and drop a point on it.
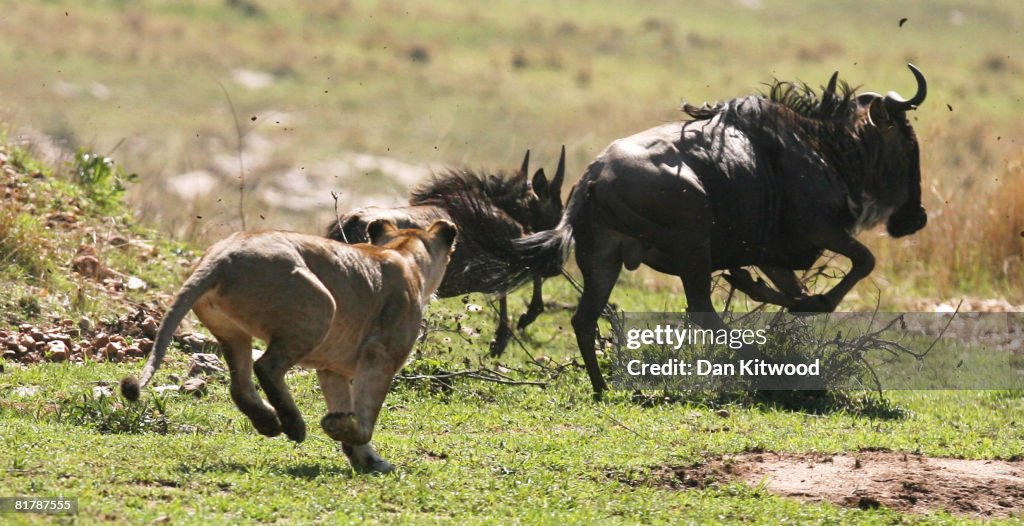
(380, 231)
(446, 231)
(540, 184)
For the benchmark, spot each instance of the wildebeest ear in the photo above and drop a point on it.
(540, 183)
(878, 115)
(446, 231)
(380, 231)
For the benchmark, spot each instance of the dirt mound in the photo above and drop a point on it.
(869, 479)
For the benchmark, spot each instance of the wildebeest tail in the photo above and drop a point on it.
(540, 254)
(201, 281)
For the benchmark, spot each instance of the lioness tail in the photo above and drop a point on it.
(198, 283)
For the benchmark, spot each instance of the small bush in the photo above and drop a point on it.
(106, 415)
(102, 180)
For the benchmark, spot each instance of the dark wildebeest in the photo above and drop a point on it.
(768, 181)
(482, 206)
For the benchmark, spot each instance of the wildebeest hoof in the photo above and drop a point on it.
(269, 427)
(816, 303)
(295, 429)
(500, 340)
(342, 427)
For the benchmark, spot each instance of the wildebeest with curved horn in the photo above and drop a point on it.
(769, 181)
(483, 206)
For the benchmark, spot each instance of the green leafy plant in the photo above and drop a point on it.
(101, 178)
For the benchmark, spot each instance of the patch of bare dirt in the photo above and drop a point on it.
(870, 479)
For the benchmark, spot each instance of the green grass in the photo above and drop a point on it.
(479, 453)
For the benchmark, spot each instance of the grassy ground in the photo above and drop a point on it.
(450, 83)
(476, 454)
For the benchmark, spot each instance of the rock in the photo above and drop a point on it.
(134, 351)
(57, 351)
(37, 335)
(174, 378)
(101, 339)
(146, 345)
(99, 391)
(165, 388)
(149, 327)
(195, 386)
(724, 413)
(25, 390)
(135, 283)
(85, 324)
(195, 341)
(205, 364)
(87, 263)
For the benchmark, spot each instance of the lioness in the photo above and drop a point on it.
(352, 312)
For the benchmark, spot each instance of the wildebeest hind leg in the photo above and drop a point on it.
(536, 305)
(503, 333)
(599, 263)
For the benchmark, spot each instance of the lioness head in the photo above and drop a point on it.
(438, 241)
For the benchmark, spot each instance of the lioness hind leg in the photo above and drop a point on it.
(236, 345)
(238, 354)
(270, 370)
(301, 323)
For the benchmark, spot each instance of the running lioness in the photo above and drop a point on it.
(352, 312)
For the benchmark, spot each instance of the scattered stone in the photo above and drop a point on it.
(25, 390)
(195, 342)
(57, 351)
(205, 364)
(135, 283)
(166, 388)
(149, 327)
(99, 391)
(195, 386)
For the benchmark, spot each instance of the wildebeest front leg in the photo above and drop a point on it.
(341, 420)
(367, 391)
(503, 333)
(862, 263)
(756, 290)
(536, 305)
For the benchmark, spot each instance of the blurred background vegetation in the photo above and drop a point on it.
(364, 98)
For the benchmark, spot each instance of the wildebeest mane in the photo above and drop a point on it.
(802, 99)
(454, 184)
(799, 97)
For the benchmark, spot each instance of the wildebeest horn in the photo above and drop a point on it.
(525, 170)
(893, 102)
(556, 182)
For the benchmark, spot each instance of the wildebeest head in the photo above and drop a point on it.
(546, 202)
(898, 158)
